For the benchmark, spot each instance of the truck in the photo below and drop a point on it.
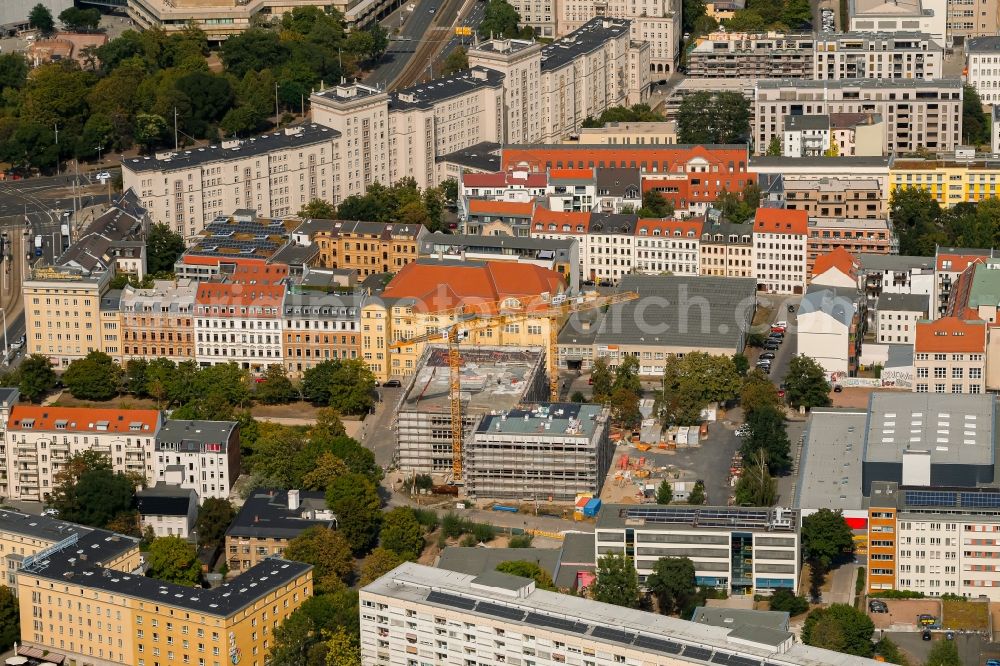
(38, 245)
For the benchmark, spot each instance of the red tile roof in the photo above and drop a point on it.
(572, 174)
(668, 227)
(839, 258)
(545, 217)
(242, 295)
(951, 335)
(959, 262)
(490, 207)
(781, 221)
(84, 419)
(447, 286)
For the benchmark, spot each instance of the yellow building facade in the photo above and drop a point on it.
(949, 182)
(62, 313)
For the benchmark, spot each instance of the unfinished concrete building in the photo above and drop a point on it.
(552, 451)
(492, 379)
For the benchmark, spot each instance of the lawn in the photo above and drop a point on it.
(964, 614)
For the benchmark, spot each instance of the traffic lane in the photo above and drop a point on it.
(379, 432)
(414, 28)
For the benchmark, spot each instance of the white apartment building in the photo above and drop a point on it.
(805, 136)
(926, 16)
(390, 136)
(203, 456)
(872, 55)
(780, 255)
(828, 327)
(238, 323)
(919, 114)
(41, 439)
(736, 549)
(416, 612)
(274, 174)
(608, 254)
(897, 315)
(982, 66)
(668, 246)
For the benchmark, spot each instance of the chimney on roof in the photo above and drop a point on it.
(293, 500)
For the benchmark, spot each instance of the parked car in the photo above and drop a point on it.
(771, 345)
(743, 431)
(776, 335)
(926, 635)
(392, 383)
(838, 388)
(53, 513)
(779, 324)
(767, 356)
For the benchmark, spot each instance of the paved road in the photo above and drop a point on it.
(415, 25)
(472, 20)
(970, 647)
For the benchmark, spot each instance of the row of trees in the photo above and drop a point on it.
(922, 224)
(620, 389)
(624, 114)
(402, 202)
(707, 117)
(73, 19)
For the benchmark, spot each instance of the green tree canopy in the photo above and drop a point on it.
(173, 560)
(975, 123)
(617, 582)
(756, 486)
(346, 385)
(916, 217)
(402, 533)
(93, 377)
(40, 18)
(502, 21)
(758, 392)
(692, 382)
(355, 501)
(378, 563)
(163, 247)
(826, 538)
(87, 491)
(767, 434)
(601, 378)
(214, 518)
(9, 618)
(36, 377)
(697, 494)
(664, 493)
(525, 569)
(840, 628)
(456, 61)
(706, 117)
(806, 383)
(329, 553)
(672, 583)
(277, 388)
(77, 20)
(318, 209)
(783, 599)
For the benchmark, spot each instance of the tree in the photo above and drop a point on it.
(602, 379)
(329, 553)
(767, 434)
(150, 129)
(783, 599)
(328, 467)
(890, 652)
(672, 582)
(173, 560)
(214, 517)
(449, 190)
(456, 61)
(756, 486)
(705, 117)
(294, 640)
(692, 382)
(501, 20)
(758, 392)
(328, 424)
(87, 491)
(826, 538)
(75, 19)
(841, 628)
(402, 534)
(9, 618)
(378, 563)
(664, 493)
(806, 384)
(697, 494)
(346, 385)
(163, 247)
(36, 377)
(739, 207)
(617, 582)
(40, 18)
(655, 205)
(774, 147)
(318, 209)
(691, 11)
(741, 364)
(525, 569)
(975, 125)
(276, 388)
(342, 649)
(93, 377)
(625, 408)
(355, 501)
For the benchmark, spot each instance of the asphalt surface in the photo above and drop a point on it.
(472, 20)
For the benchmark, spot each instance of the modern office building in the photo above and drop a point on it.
(492, 379)
(739, 550)
(504, 617)
(203, 456)
(852, 198)
(548, 452)
(919, 114)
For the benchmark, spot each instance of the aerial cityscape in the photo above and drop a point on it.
(482, 332)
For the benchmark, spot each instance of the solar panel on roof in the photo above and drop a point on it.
(497, 610)
(743, 661)
(451, 600)
(535, 619)
(612, 634)
(657, 644)
(720, 658)
(697, 653)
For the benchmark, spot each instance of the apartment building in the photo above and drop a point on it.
(949, 356)
(520, 63)
(805, 136)
(167, 510)
(400, 134)
(907, 16)
(610, 247)
(896, 274)
(423, 298)
(145, 619)
(111, 324)
(549, 451)
(239, 323)
(741, 55)
(274, 175)
(873, 55)
(966, 23)
(780, 251)
(689, 177)
(40, 440)
(503, 617)
(767, 167)
(242, 233)
(319, 327)
(897, 316)
(949, 181)
(838, 268)
(268, 520)
(62, 312)
(203, 456)
(850, 198)
(858, 134)
(493, 379)
(949, 265)
(853, 235)
(919, 114)
(735, 549)
(575, 189)
(367, 247)
(218, 19)
(158, 322)
(726, 249)
(830, 325)
(625, 133)
(668, 246)
(494, 217)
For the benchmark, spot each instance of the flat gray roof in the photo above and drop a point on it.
(718, 616)
(813, 122)
(570, 419)
(830, 466)
(477, 561)
(954, 428)
(776, 519)
(903, 302)
(841, 162)
(877, 84)
(894, 262)
(602, 624)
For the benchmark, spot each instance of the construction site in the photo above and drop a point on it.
(492, 379)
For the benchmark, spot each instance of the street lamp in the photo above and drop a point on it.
(5, 348)
(99, 148)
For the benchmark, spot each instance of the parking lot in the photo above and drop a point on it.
(904, 613)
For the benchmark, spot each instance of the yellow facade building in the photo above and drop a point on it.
(62, 312)
(423, 298)
(950, 182)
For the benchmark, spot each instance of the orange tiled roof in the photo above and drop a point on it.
(571, 174)
(841, 259)
(479, 206)
(545, 217)
(83, 419)
(951, 335)
(781, 221)
(443, 287)
(667, 227)
(959, 262)
(241, 295)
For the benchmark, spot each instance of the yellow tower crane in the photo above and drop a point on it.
(491, 315)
